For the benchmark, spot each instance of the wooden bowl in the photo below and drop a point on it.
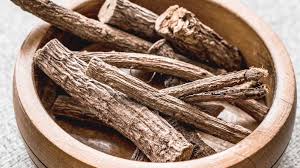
(51, 146)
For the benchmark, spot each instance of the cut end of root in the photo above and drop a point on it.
(256, 73)
(161, 24)
(266, 89)
(186, 153)
(107, 11)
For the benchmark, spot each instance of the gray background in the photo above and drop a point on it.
(15, 25)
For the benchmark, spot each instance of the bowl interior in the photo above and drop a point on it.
(229, 25)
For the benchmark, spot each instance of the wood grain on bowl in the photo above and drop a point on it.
(55, 147)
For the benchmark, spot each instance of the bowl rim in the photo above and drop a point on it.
(281, 109)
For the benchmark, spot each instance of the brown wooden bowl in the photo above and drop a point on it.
(50, 146)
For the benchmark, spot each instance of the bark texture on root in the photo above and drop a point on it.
(153, 135)
(188, 33)
(129, 17)
(149, 96)
(228, 94)
(216, 82)
(98, 47)
(150, 63)
(254, 108)
(65, 106)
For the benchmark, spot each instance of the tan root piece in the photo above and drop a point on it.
(228, 94)
(129, 17)
(189, 34)
(216, 82)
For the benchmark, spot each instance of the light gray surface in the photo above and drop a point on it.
(15, 25)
